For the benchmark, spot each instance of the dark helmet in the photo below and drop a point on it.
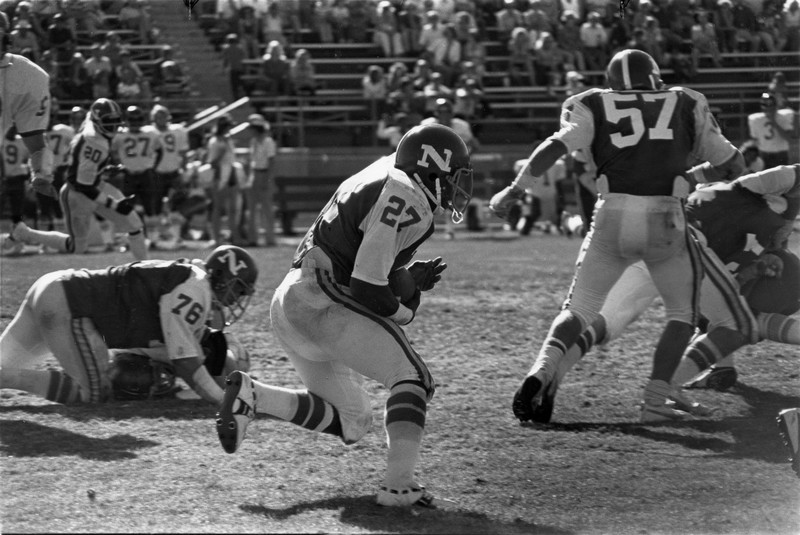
(137, 377)
(767, 101)
(633, 69)
(232, 273)
(135, 116)
(106, 116)
(437, 159)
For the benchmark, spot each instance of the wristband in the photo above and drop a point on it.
(403, 315)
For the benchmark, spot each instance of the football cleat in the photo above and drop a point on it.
(544, 412)
(528, 400)
(789, 428)
(666, 412)
(680, 401)
(718, 378)
(405, 497)
(238, 409)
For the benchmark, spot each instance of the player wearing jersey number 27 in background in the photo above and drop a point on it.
(338, 320)
(641, 136)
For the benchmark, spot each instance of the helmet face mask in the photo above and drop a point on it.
(437, 159)
(106, 116)
(232, 273)
(633, 69)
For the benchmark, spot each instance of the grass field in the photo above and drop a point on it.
(157, 466)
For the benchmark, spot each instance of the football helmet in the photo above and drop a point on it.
(137, 377)
(160, 115)
(106, 116)
(76, 116)
(633, 69)
(767, 102)
(437, 160)
(233, 275)
(135, 116)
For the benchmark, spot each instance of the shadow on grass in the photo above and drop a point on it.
(363, 512)
(28, 439)
(754, 436)
(166, 408)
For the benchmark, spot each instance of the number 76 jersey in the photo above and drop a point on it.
(642, 139)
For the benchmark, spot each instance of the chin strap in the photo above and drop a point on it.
(437, 200)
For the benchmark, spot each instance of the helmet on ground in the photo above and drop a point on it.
(233, 275)
(106, 116)
(135, 116)
(767, 102)
(437, 160)
(138, 377)
(633, 69)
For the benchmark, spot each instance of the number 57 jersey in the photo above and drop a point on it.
(642, 139)
(373, 223)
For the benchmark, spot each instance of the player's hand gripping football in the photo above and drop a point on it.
(427, 273)
(502, 201)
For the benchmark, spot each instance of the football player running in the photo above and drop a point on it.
(77, 315)
(338, 319)
(639, 213)
(743, 226)
(87, 194)
(25, 103)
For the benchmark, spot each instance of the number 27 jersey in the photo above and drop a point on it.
(641, 140)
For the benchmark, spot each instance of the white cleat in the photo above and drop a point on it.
(238, 409)
(405, 497)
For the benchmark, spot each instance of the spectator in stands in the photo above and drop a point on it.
(576, 6)
(397, 71)
(84, 15)
(550, 8)
(537, 23)
(446, 56)
(573, 83)
(653, 40)
(61, 39)
(746, 25)
(466, 28)
(323, 21)
(704, 40)
(100, 71)
(434, 90)
(393, 128)
(224, 191)
(258, 202)
(48, 62)
(550, 62)
(726, 31)
(620, 32)
(302, 75)
(594, 37)
(275, 68)
(521, 71)
(112, 47)
(340, 22)
(170, 75)
(507, 19)
(386, 30)
(432, 32)
(273, 24)
(409, 24)
(249, 29)
(790, 17)
(771, 32)
(24, 12)
(133, 16)
(421, 74)
(569, 38)
(374, 89)
(469, 101)
(22, 38)
(129, 88)
(469, 71)
(406, 99)
(126, 63)
(77, 83)
(233, 55)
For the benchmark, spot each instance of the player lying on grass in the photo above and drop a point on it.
(339, 319)
(77, 315)
(745, 224)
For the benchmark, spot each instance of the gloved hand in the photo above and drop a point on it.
(769, 265)
(427, 273)
(502, 201)
(43, 186)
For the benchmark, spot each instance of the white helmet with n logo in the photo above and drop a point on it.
(233, 275)
(437, 159)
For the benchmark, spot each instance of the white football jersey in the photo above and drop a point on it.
(136, 150)
(174, 144)
(24, 95)
(59, 137)
(762, 130)
(15, 158)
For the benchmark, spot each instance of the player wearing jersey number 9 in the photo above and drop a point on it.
(641, 136)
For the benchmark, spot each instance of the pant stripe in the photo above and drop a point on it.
(694, 249)
(89, 359)
(332, 290)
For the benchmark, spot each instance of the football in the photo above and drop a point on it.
(402, 284)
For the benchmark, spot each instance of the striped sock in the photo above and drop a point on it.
(316, 414)
(779, 328)
(405, 421)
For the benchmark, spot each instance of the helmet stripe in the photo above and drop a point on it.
(626, 72)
